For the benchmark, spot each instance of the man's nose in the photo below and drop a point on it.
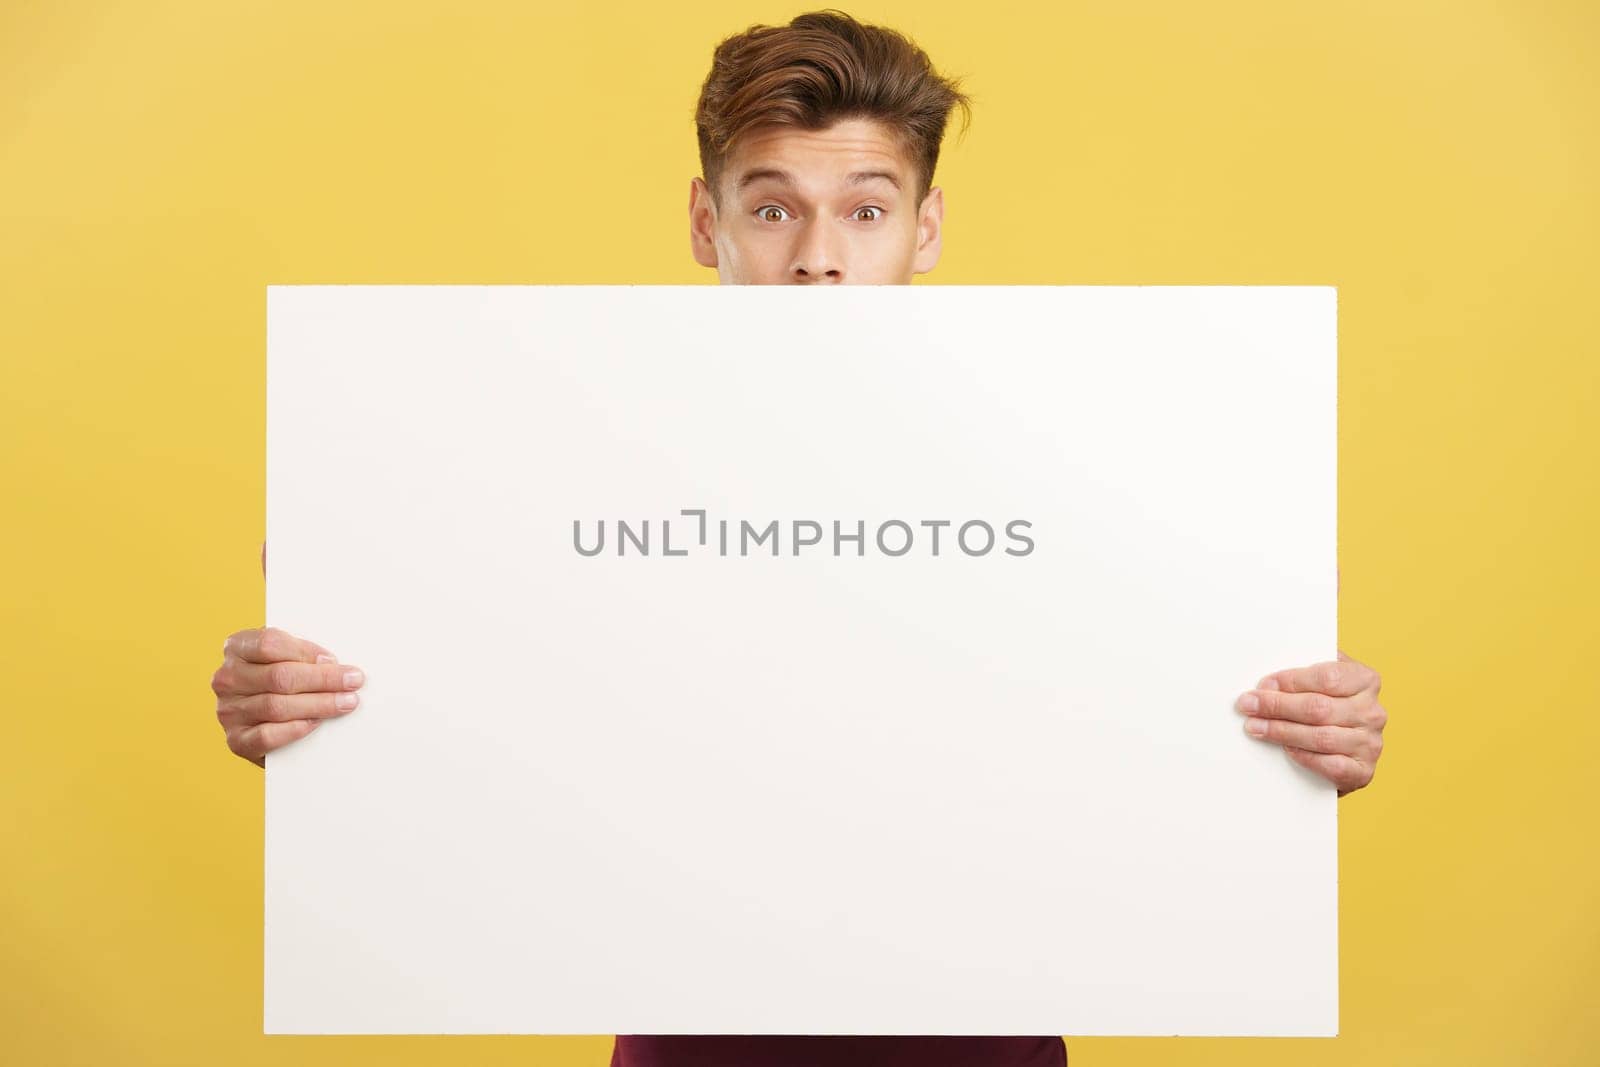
(818, 258)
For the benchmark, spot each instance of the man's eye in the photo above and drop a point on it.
(877, 211)
(761, 212)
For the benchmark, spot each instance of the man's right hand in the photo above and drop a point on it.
(274, 688)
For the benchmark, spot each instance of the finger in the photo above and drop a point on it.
(1377, 679)
(1343, 771)
(254, 742)
(1315, 709)
(268, 644)
(1340, 678)
(282, 707)
(287, 676)
(1341, 740)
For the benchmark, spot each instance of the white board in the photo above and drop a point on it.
(869, 792)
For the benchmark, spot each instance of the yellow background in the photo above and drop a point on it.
(161, 163)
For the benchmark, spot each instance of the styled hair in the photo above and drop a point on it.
(822, 67)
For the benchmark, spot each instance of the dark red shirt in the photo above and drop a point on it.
(827, 1050)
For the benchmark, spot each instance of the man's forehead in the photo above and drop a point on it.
(761, 173)
(850, 154)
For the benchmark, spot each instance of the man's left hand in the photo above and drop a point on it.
(1326, 717)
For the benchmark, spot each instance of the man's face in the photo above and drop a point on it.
(802, 207)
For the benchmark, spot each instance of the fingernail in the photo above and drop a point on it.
(323, 657)
(353, 679)
(1267, 683)
(1249, 702)
(346, 700)
(1256, 727)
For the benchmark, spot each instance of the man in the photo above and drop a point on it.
(818, 142)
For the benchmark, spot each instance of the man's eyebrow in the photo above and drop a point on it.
(783, 177)
(868, 175)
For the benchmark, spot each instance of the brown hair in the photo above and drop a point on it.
(822, 67)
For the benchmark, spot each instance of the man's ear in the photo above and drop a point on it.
(930, 224)
(702, 223)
